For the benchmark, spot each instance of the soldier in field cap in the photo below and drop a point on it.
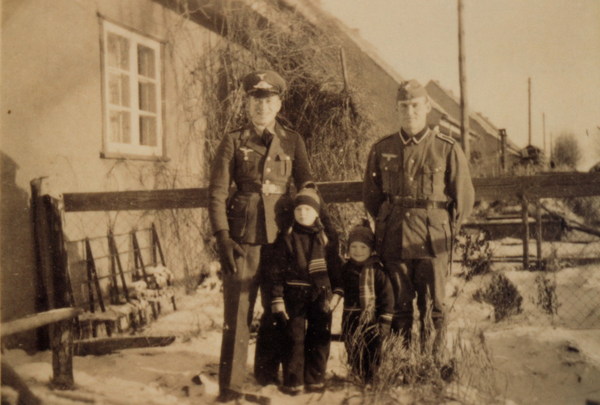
(262, 161)
(418, 188)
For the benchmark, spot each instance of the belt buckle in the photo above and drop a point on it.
(270, 188)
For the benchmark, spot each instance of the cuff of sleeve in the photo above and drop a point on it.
(277, 300)
(385, 319)
(338, 291)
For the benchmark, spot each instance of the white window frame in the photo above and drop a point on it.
(133, 150)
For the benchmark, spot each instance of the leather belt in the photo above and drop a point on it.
(265, 188)
(409, 202)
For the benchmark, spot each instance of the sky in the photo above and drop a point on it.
(556, 43)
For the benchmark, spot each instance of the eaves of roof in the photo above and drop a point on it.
(485, 124)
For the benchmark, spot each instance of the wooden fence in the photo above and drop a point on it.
(51, 254)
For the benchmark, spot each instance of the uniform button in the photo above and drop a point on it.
(374, 174)
(408, 214)
(437, 169)
(267, 181)
(268, 170)
(268, 158)
(386, 169)
(287, 158)
(410, 178)
(245, 157)
(412, 161)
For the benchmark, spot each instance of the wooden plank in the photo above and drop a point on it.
(51, 256)
(137, 200)
(38, 320)
(555, 185)
(100, 346)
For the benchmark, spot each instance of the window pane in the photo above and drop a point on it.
(120, 127)
(146, 61)
(147, 94)
(118, 89)
(118, 51)
(147, 131)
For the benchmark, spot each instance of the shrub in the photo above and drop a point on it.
(566, 151)
(476, 253)
(547, 300)
(502, 294)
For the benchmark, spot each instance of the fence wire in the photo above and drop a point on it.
(559, 286)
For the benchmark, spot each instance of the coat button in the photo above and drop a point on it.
(268, 170)
(268, 158)
(411, 161)
(267, 181)
(408, 214)
(245, 157)
(287, 158)
(410, 178)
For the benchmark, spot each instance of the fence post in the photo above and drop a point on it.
(51, 258)
(525, 213)
(538, 222)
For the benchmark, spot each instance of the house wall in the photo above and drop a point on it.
(52, 117)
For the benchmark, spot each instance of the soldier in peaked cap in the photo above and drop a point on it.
(263, 160)
(417, 186)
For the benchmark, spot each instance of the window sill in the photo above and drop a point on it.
(129, 156)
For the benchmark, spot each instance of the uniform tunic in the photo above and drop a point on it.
(262, 174)
(407, 186)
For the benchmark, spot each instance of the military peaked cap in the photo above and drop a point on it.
(263, 83)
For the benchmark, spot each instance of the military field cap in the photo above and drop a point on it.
(308, 196)
(263, 83)
(410, 89)
(362, 233)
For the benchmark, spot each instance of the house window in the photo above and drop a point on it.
(132, 64)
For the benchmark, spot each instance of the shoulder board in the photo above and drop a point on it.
(385, 138)
(288, 129)
(240, 130)
(445, 138)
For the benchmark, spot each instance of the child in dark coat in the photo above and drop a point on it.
(304, 276)
(368, 302)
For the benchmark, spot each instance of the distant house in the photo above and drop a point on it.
(96, 97)
(485, 137)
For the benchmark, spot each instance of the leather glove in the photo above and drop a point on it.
(227, 247)
(280, 317)
(384, 329)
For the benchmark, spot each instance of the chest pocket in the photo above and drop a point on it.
(283, 165)
(389, 176)
(433, 180)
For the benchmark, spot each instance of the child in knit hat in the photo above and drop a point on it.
(368, 302)
(304, 276)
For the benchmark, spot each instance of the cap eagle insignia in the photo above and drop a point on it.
(262, 84)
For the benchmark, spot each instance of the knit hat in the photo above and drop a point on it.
(308, 196)
(362, 233)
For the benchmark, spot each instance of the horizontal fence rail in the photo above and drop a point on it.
(555, 185)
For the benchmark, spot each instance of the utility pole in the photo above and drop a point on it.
(464, 105)
(544, 132)
(529, 93)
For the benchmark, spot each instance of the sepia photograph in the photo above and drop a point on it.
(337, 202)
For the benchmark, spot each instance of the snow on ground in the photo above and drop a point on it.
(536, 363)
